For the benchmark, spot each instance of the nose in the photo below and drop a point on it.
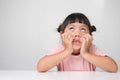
(77, 34)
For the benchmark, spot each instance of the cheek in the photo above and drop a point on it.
(76, 47)
(66, 30)
(69, 32)
(82, 35)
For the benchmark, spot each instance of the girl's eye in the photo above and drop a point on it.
(83, 30)
(71, 28)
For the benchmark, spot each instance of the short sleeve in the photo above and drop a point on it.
(55, 50)
(96, 51)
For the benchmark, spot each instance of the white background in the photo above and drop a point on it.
(28, 28)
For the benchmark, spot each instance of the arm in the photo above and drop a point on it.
(104, 62)
(50, 61)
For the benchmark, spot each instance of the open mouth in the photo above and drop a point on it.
(76, 42)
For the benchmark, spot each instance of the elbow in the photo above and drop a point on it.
(41, 67)
(113, 69)
(41, 70)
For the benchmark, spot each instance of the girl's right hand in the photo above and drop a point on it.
(67, 41)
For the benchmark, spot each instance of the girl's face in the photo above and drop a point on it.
(77, 30)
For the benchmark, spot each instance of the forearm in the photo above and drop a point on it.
(105, 63)
(50, 61)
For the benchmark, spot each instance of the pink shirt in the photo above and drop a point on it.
(76, 63)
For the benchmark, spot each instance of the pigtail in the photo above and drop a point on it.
(92, 28)
(59, 28)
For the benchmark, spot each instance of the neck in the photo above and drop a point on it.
(76, 52)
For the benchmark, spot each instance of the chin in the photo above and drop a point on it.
(76, 48)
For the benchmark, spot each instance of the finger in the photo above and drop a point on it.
(61, 33)
(90, 37)
(82, 39)
(83, 42)
(71, 37)
(85, 39)
(67, 35)
(64, 35)
(89, 40)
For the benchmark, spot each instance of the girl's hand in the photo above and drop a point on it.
(86, 43)
(67, 41)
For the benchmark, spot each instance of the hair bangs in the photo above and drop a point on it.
(77, 19)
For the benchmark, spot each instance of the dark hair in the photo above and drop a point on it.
(76, 17)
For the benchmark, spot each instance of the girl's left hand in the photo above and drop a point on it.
(86, 43)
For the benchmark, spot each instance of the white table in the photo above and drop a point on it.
(69, 75)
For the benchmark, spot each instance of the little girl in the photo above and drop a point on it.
(76, 53)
